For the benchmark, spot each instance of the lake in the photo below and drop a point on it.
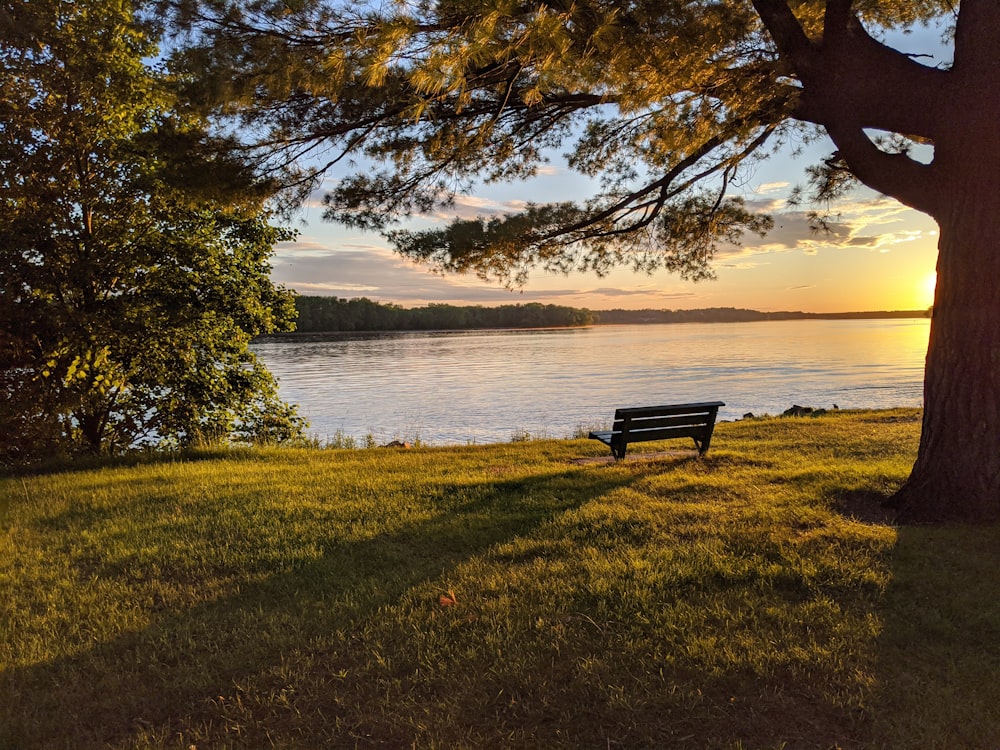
(457, 387)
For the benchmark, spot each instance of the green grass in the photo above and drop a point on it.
(516, 595)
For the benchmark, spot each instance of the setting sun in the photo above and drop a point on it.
(927, 287)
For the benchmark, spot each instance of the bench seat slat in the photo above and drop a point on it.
(669, 409)
(647, 423)
(638, 436)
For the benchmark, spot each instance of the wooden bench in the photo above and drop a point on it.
(646, 423)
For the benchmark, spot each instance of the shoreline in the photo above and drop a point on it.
(680, 317)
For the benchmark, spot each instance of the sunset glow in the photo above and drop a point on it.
(927, 289)
(877, 255)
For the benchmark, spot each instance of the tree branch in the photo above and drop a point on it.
(885, 88)
(852, 82)
(897, 175)
(850, 71)
(663, 187)
(789, 37)
(836, 19)
(976, 51)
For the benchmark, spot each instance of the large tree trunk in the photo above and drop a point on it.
(957, 473)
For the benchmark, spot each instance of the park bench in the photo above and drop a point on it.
(646, 423)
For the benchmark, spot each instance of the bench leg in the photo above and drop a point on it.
(703, 444)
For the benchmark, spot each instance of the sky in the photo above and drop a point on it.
(880, 255)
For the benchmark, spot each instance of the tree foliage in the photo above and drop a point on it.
(133, 257)
(660, 103)
(444, 94)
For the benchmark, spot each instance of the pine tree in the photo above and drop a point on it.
(663, 103)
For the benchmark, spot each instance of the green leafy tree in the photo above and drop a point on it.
(133, 269)
(662, 102)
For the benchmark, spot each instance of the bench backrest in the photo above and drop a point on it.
(663, 422)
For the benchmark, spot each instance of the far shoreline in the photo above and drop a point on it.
(609, 318)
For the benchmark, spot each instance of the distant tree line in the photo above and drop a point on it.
(332, 314)
(739, 315)
(322, 314)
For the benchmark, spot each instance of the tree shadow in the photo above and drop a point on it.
(866, 506)
(139, 457)
(937, 657)
(177, 670)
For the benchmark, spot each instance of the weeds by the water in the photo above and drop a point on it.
(519, 595)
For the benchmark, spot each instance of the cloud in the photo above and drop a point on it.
(302, 249)
(875, 224)
(347, 270)
(764, 205)
(745, 265)
(354, 269)
(340, 289)
(864, 241)
(772, 187)
(341, 262)
(471, 207)
(642, 291)
(615, 292)
(791, 231)
(360, 269)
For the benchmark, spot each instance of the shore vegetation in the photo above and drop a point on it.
(134, 253)
(319, 314)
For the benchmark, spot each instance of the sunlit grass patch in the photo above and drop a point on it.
(504, 595)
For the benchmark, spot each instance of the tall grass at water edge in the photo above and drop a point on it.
(531, 594)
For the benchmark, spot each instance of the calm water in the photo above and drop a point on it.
(489, 386)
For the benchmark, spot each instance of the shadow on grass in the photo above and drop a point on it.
(152, 457)
(938, 656)
(866, 506)
(181, 670)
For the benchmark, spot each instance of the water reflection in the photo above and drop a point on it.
(486, 386)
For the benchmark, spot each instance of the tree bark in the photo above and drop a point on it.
(956, 476)
(91, 428)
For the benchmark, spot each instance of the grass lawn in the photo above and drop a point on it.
(516, 595)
